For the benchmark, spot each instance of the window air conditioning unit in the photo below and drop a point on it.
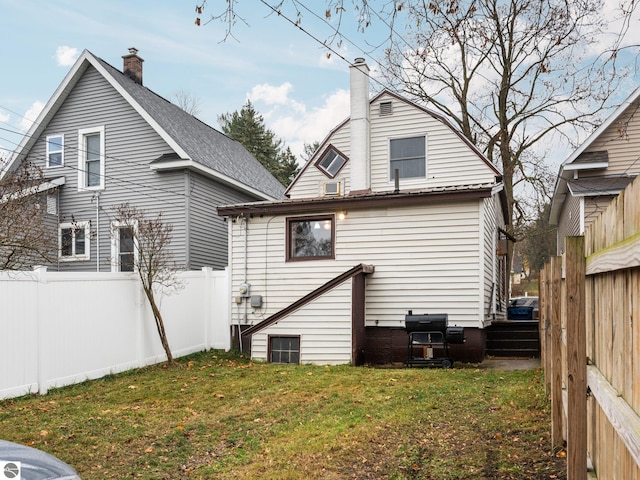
(332, 188)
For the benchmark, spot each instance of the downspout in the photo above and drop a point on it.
(245, 220)
(97, 232)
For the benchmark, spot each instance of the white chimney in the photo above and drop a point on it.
(359, 121)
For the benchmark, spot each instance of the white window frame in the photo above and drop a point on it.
(115, 244)
(82, 157)
(75, 227)
(51, 152)
(426, 161)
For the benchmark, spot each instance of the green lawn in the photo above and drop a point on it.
(220, 416)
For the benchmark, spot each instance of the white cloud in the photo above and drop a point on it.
(66, 56)
(31, 115)
(4, 118)
(295, 125)
(270, 95)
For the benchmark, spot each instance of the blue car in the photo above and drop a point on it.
(26, 463)
(523, 308)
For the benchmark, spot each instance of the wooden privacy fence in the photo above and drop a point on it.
(590, 344)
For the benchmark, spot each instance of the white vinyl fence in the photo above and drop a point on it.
(62, 328)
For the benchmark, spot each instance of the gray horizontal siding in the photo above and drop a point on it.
(208, 233)
(130, 144)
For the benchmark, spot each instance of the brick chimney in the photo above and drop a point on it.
(133, 65)
(360, 121)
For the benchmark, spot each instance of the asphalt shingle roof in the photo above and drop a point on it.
(204, 144)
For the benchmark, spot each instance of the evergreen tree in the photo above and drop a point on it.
(247, 127)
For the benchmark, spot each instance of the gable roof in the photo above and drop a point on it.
(429, 112)
(579, 159)
(196, 145)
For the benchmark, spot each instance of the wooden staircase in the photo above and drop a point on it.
(513, 339)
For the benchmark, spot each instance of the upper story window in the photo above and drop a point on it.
(331, 162)
(73, 241)
(310, 238)
(91, 164)
(55, 151)
(408, 156)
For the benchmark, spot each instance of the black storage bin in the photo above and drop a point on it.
(426, 322)
(454, 335)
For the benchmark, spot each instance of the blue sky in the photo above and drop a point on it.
(301, 93)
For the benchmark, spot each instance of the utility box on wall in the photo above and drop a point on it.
(256, 301)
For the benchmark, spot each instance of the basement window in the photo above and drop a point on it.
(310, 238)
(284, 349)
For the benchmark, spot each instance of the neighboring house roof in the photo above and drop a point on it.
(433, 114)
(596, 186)
(196, 144)
(382, 199)
(581, 160)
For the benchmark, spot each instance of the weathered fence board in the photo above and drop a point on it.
(600, 327)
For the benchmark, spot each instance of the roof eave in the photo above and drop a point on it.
(208, 172)
(585, 166)
(603, 126)
(363, 201)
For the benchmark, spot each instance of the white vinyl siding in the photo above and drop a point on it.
(494, 301)
(426, 259)
(327, 342)
(310, 183)
(450, 161)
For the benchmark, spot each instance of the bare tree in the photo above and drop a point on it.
(26, 239)
(187, 101)
(151, 258)
(510, 73)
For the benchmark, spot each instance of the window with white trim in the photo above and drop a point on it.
(91, 164)
(73, 241)
(123, 248)
(408, 156)
(55, 151)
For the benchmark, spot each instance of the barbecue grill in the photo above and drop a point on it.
(429, 338)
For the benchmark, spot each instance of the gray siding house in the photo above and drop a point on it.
(597, 171)
(104, 139)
